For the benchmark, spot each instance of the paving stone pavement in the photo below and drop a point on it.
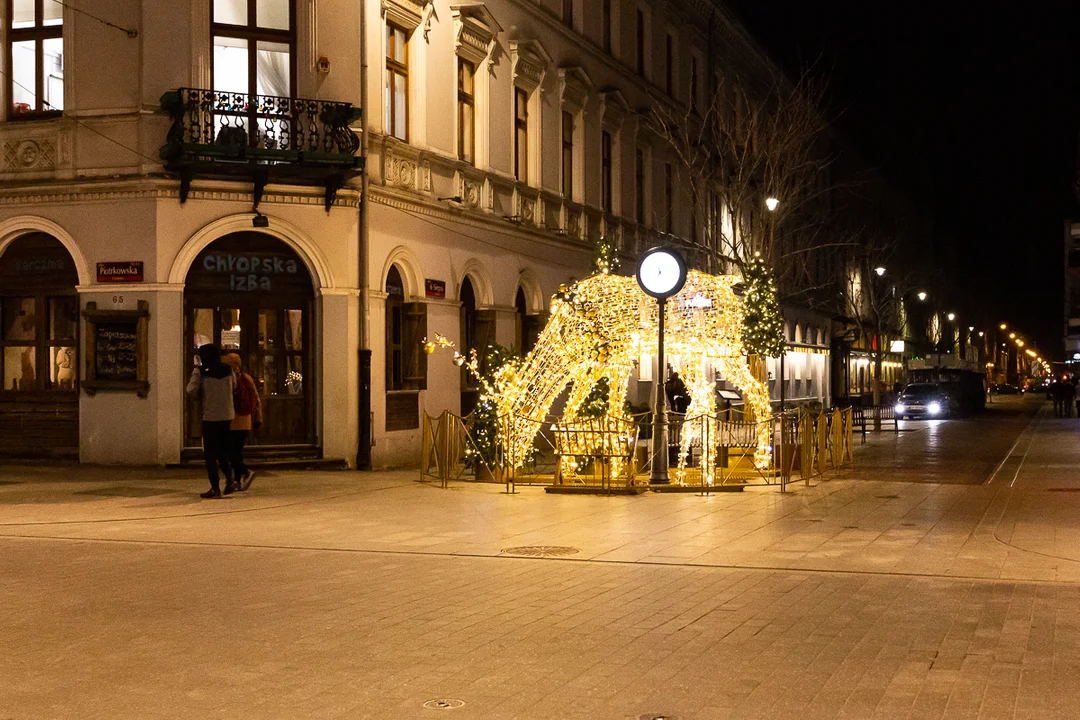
(346, 595)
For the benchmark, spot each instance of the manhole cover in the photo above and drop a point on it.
(908, 524)
(444, 704)
(851, 527)
(541, 551)
(1075, 489)
(887, 497)
(658, 716)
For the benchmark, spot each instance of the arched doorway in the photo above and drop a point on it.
(252, 295)
(39, 349)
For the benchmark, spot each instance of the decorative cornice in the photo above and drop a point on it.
(574, 87)
(529, 61)
(408, 14)
(475, 30)
(102, 192)
(613, 109)
(389, 198)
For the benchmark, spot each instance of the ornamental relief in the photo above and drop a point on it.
(30, 155)
(470, 193)
(400, 172)
(526, 209)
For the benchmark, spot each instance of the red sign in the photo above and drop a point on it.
(119, 272)
(435, 288)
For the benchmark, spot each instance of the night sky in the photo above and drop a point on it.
(972, 109)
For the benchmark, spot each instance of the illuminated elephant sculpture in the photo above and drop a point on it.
(600, 326)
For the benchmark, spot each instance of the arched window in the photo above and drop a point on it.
(395, 327)
(477, 332)
(406, 327)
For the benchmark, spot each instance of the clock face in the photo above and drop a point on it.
(661, 273)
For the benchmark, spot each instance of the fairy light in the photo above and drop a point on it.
(598, 329)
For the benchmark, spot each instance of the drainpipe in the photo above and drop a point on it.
(363, 444)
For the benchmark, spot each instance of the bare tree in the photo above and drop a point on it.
(877, 285)
(755, 159)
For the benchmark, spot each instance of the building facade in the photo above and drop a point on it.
(198, 171)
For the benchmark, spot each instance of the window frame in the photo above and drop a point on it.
(669, 198)
(39, 33)
(669, 60)
(253, 34)
(605, 26)
(521, 134)
(606, 164)
(567, 154)
(640, 30)
(639, 185)
(394, 69)
(466, 99)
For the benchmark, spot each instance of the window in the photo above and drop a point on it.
(568, 13)
(395, 327)
(669, 197)
(568, 155)
(694, 83)
(397, 83)
(406, 327)
(35, 57)
(605, 25)
(641, 42)
(669, 60)
(521, 135)
(466, 111)
(605, 171)
(639, 185)
(254, 47)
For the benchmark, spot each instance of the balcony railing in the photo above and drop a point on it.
(265, 137)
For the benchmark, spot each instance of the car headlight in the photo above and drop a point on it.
(934, 408)
(899, 407)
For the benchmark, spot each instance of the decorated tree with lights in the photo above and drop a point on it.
(484, 450)
(763, 325)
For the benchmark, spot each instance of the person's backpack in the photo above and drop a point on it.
(245, 398)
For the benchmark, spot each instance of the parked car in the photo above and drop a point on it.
(924, 400)
(1003, 389)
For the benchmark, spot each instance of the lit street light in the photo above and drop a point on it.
(922, 296)
(880, 271)
(771, 203)
(951, 316)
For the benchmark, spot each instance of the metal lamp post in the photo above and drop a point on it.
(661, 273)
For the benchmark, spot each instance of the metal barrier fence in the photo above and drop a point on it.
(706, 453)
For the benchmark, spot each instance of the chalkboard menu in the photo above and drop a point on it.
(115, 355)
(116, 349)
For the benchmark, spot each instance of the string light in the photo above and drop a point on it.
(598, 329)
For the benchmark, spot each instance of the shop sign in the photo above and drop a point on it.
(120, 272)
(435, 288)
(249, 271)
(38, 265)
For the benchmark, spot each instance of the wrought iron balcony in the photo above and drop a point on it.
(262, 137)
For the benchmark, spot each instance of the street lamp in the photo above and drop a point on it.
(1003, 325)
(771, 203)
(922, 296)
(661, 273)
(880, 271)
(951, 316)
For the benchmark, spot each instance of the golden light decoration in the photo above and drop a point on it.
(599, 327)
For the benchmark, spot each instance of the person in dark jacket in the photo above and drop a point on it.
(212, 383)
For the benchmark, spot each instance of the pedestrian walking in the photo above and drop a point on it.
(1069, 397)
(212, 384)
(248, 408)
(1058, 394)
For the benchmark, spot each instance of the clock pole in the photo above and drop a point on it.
(660, 417)
(661, 273)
